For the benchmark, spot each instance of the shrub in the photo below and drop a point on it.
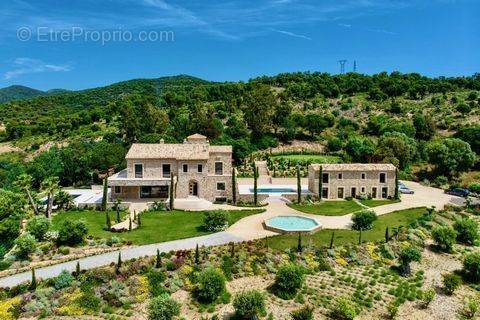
(227, 266)
(249, 304)
(163, 307)
(428, 296)
(38, 226)
(444, 237)
(210, 285)
(63, 280)
(451, 282)
(407, 256)
(72, 232)
(216, 220)
(288, 280)
(363, 220)
(156, 280)
(26, 244)
(471, 266)
(467, 230)
(89, 300)
(470, 309)
(474, 187)
(305, 313)
(344, 309)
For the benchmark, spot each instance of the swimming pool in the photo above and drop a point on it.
(291, 224)
(280, 190)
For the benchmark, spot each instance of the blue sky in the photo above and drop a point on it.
(231, 40)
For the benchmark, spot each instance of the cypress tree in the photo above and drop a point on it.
(299, 245)
(234, 186)
(105, 194)
(387, 236)
(360, 237)
(255, 186)
(332, 239)
(129, 223)
(139, 220)
(171, 193)
(197, 255)
(108, 222)
(33, 282)
(158, 261)
(77, 269)
(117, 209)
(119, 263)
(232, 249)
(134, 215)
(299, 185)
(397, 193)
(266, 242)
(320, 183)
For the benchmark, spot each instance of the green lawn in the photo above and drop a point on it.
(375, 203)
(343, 237)
(156, 226)
(328, 208)
(315, 158)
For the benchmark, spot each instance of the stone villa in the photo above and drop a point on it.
(198, 169)
(353, 179)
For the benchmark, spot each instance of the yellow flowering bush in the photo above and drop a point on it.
(312, 264)
(6, 307)
(70, 306)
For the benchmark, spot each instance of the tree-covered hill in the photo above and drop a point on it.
(407, 119)
(18, 92)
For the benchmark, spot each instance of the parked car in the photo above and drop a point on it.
(404, 189)
(459, 192)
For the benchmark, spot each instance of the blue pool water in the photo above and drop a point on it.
(292, 223)
(274, 190)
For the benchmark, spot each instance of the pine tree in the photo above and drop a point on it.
(387, 236)
(33, 282)
(299, 245)
(171, 193)
(158, 261)
(77, 269)
(255, 186)
(119, 263)
(320, 183)
(234, 186)
(105, 194)
(332, 239)
(197, 255)
(108, 222)
(299, 185)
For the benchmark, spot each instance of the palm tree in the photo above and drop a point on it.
(50, 185)
(24, 182)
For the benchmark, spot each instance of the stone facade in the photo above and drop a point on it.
(342, 181)
(198, 169)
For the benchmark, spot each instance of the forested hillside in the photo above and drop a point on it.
(17, 93)
(407, 119)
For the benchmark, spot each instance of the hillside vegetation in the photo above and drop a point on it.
(428, 124)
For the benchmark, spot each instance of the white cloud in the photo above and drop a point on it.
(28, 65)
(292, 34)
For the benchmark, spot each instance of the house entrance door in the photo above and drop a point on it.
(193, 188)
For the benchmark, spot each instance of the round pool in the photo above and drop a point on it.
(292, 224)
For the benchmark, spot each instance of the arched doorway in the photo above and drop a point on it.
(193, 188)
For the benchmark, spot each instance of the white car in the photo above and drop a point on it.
(404, 189)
